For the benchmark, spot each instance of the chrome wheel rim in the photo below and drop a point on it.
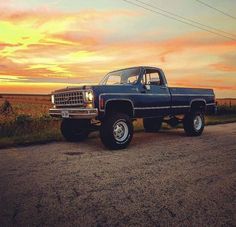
(197, 122)
(120, 131)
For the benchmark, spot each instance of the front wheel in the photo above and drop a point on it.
(74, 130)
(194, 123)
(116, 131)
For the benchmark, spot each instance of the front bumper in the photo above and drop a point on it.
(77, 113)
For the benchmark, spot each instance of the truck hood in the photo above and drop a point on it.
(73, 88)
(101, 88)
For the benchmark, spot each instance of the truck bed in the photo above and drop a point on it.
(183, 97)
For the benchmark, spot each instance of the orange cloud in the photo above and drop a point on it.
(43, 48)
(192, 84)
(224, 67)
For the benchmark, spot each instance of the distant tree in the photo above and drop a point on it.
(6, 108)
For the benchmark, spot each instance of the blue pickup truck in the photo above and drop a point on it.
(125, 95)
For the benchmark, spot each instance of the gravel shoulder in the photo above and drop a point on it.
(161, 179)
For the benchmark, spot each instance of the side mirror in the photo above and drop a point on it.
(147, 87)
(155, 81)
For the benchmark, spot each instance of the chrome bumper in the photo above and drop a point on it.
(78, 113)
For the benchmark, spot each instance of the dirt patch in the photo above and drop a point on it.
(162, 179)
(73, 153)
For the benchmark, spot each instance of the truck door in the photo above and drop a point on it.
(155, 98)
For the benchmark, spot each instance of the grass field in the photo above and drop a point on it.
(33, 105)
(28, 122)
(226, 102)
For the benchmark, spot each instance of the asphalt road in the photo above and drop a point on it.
(161, 179)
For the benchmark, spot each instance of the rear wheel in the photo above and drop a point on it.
(75, 130)
(116, 131)
(152, 124)
(194, 123)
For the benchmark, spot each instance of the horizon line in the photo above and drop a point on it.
(46, 94)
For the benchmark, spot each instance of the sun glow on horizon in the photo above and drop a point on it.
(43, 48)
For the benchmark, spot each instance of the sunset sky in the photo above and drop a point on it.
(50, 44)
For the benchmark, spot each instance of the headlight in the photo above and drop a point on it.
(53, 99)
(89, 96)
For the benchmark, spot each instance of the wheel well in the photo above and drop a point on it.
(121, 106)
(198, 105)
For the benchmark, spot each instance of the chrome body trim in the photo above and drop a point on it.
(211, 104)
(152, 107)
(73, 98)
(157, 94)
(161, 107)
(133, 94)
(192, 95)
(181, 106)
(79, 113)
(69, 98)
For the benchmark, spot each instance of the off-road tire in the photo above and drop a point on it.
(108, 131)
(191, 126)
(74, 130)
(152, 124)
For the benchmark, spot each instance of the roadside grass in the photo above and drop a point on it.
(31, 139)
(226, 110)
(18, 128)
(39, 130)
(25, 130)
(220, 119)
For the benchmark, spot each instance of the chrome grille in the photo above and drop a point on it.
(70, 98)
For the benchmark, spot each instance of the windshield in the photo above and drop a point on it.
(125, 76)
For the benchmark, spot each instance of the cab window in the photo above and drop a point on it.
(152, 77)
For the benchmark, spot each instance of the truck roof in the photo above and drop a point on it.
(141, 66)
